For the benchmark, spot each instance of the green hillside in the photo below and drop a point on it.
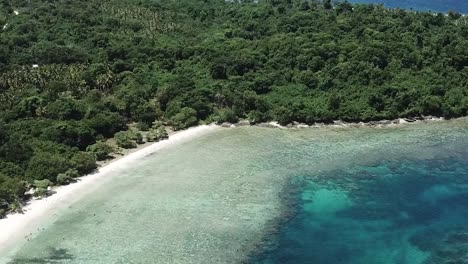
(73, 73)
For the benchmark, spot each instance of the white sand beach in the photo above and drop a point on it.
(17, 228)
(215, 199)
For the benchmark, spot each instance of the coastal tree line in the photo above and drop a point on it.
(80, 78)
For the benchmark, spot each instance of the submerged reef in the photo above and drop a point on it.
(408, 212)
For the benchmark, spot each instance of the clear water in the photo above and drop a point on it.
(407, 212)
(362, 195)
(423, 5)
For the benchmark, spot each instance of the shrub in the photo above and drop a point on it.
(142, 126)
(100, 150)
(84, 162)
(42, 187)
(185, 118)
(67, 177)
(129, 138)
(11, 192)
(226, 115)
(124, 140)
(155, 135)
(45, 166)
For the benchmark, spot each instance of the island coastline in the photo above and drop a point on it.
(18, 228)
(22, 227)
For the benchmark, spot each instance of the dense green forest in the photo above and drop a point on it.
(74, 74)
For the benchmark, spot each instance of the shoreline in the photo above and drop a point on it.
(17, 228)
(268, 243)
(342, 124)
(21, 227)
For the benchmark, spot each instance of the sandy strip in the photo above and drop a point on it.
(16, 228)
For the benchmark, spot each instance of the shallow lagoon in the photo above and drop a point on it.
(353, 195)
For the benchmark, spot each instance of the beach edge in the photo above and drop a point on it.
(17, 228)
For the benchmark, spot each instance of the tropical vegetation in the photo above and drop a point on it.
(79, 78)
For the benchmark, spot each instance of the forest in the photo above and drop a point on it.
(79, 79)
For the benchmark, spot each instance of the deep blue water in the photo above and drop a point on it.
(410, 212)
(424, 5)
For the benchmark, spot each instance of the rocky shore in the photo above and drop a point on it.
(337, 123)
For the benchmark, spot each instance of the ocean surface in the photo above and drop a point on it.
(400, 212)
(394, 195)
(444, 6)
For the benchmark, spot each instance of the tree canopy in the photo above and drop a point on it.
(75, 73)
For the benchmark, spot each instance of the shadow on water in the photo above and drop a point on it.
(411, 212)
(55, 255)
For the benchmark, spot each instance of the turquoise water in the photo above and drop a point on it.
(424, 5)
(390, 195)
(405, 212)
